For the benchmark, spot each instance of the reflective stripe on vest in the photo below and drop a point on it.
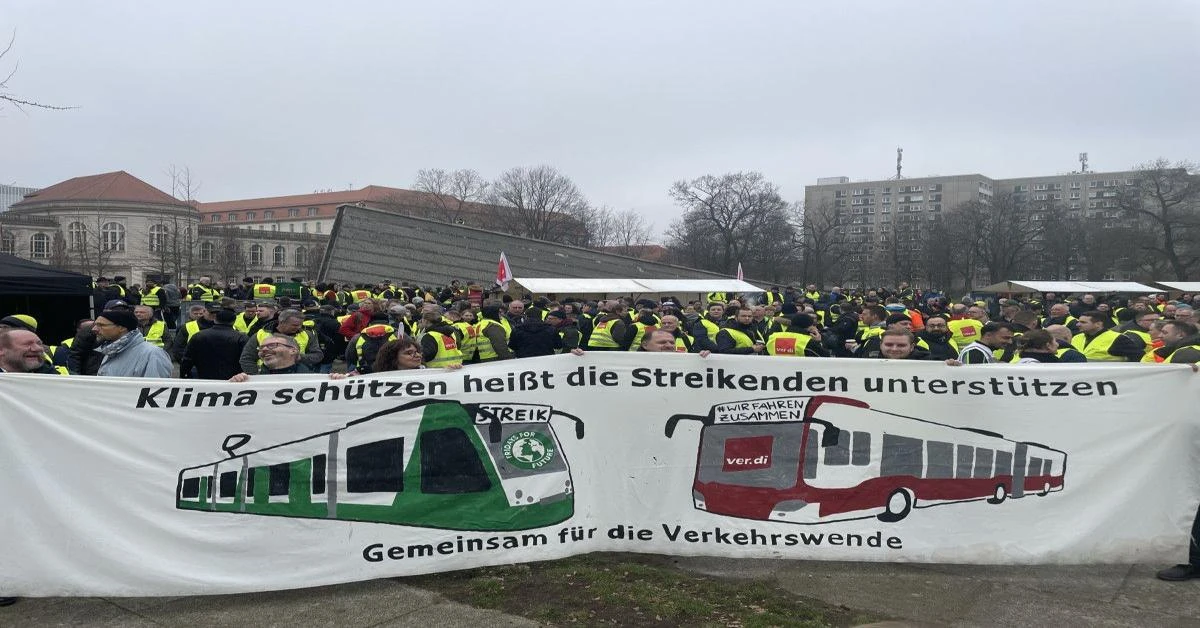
(602, 336)
(741, 339)
(151, 297)
(470, 339)
(242, 324)
(447, 352)
(788, 343)
(191, 327)
(1096, 350)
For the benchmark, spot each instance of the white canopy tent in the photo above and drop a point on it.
(1181, 286)
(571, 285)
(1069, 287)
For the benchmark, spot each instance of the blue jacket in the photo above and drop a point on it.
(131, 356)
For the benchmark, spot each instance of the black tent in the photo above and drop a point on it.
(56, 298)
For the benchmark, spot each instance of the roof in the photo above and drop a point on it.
(23, 277)
(1182, 286)
(367, 244)
(369, 193)
(119, 186)
(1068, 286)
(566, 285)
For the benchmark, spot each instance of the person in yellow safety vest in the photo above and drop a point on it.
(1060, 314)
(1065, 353)
(468, 335)
(704, 330)
(152, 329)
(288, 323)
(364, 348)
(609, 329)
(1136, 327)
(493, 337)
(264, 289)
(938, 339)
(203, 290)
(645, 324)
(439, 341)
(660, 341)
(801, 339)
(152, 295)
(199, 317)
(964, 327)
(741, 336)
(771, 297)
(247, 318)
(683, 342)
(872, 322)
(21, 351)
(1099, 344)
(1181, 343)
(722, 297)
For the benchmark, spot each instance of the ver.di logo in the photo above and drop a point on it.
(528, 450)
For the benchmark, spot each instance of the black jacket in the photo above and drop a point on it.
(214, 352)
(534, 337)
(333, 342)
(939, 346)
(84, 360)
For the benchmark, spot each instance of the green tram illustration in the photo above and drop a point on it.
(431, 463)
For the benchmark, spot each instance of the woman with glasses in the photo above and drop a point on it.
(401, 354)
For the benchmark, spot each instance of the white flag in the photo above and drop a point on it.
(503, 272)
(741, 277)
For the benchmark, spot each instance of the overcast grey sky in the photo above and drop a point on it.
(272, 98)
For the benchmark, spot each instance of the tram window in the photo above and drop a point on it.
(1035, 467)
(318, 474)
(966, 458)
(839, 455)
(376, 467)
(191, 489)
(941, 459)
(812, 448)
(901, 456)
(228, 486)
(861, 454)
(450, 463)
(281, 478)
(210, 486)
(1046, 465)
(250, 482)
(1003, 463)
(983, 463)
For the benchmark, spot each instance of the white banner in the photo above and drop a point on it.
(168, 487)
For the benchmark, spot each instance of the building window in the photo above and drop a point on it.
(278, 256)
(251, 215)
(292, 227)
(216, 218)
(158, 238)
(312, 211)
(293, 212)
(304, 227)
(8, 244)
(77, 233)
(319, 226)
(112, 236)
(301, 256)
(39, 246)
(256, 255)
(275, 227)
(232, 217)
(207, 252)
(268, 214)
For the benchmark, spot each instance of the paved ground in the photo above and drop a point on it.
(917, 595)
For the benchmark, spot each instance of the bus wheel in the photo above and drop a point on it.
(1045, 490)
(999, 496)
(898, 505)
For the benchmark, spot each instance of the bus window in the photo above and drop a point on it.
(1003, 463)
(1035, 467)
(839, 455)
(966, 459)
(1046, 465)
(228, 486)
(983, 463)
(901, 456)
(376, 467)
(280, 479)
(451, 464)
(862, 449)
(318, 474)
(941, 459)
(812, 447)
(191, 489)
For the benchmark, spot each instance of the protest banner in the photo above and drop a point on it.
(118, 486)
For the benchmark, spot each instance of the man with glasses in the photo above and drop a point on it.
(279, 354)
(126, 352)
(289, 323)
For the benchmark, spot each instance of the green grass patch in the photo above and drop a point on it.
(632, 589)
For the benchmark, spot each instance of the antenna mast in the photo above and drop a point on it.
(1083, 163)
(899, 161)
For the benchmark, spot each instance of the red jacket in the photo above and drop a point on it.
(357, 322)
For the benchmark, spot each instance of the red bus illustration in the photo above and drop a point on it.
(816, 459)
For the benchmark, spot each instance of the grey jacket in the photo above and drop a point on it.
(131, 356)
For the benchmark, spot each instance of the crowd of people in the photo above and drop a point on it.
(349, 330)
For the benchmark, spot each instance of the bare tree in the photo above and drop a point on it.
(728, 219)
(542, 203)
(6, 95)
(1001, 234)
(229, 259)
(89, 247)
(624, 232)
(1166, 197)
(450, 194)
(823, 241)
